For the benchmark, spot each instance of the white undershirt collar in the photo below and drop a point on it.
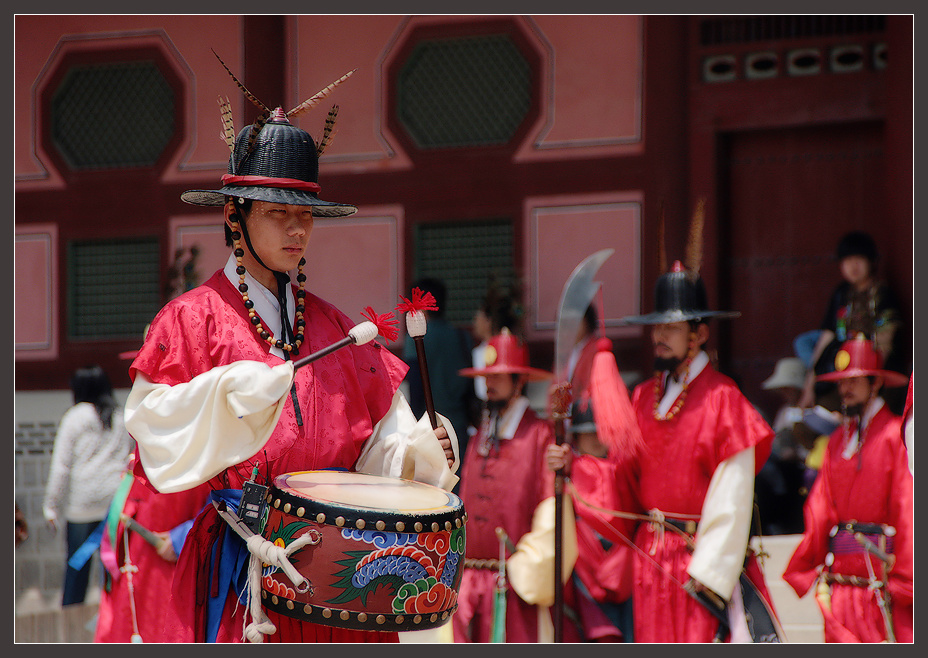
(266, 304)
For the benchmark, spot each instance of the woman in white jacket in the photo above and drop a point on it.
(90, 455)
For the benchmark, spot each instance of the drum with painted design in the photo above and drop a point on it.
(389, 555)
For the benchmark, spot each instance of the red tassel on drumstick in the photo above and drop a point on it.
(416, 326)
(359, 334)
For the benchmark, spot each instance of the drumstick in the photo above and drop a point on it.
(416, 327)
(359, 334)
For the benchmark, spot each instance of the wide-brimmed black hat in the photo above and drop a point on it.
(281, 165)
(679, 296)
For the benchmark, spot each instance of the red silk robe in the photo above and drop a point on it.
(672, 474)
(152, 583)
(880, 492)
(341, 397)
(501, 489)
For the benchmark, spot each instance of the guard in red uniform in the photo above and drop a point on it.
(857, 545)
(504, 484)
(703, 445)
(140, 562)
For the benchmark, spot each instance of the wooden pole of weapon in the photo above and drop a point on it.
(560, 410)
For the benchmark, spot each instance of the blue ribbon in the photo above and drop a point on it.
(233, 566)
(85, 550)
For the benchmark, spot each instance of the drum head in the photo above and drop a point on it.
(370, 492)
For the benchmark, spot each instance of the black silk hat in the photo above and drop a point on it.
(679, 296)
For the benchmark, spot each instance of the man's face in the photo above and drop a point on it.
(672, 344)
(855, 391)
(501, 387)
(279, 233)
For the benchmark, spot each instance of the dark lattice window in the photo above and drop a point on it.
(113, 288)
(469, 91)
(749, 29)
(464, 255)
(109, 116)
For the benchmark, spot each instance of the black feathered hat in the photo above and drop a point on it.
(279, 164)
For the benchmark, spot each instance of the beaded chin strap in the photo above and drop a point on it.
(281, 343)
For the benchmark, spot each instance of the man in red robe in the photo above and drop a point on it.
(216, 397)
(504, 484)
(703, 445)
(863, 493)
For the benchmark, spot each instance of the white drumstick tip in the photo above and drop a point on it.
(364, 332)
(415, 323)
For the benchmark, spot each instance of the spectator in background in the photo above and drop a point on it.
(779, 483)
(447, 350)
(90, 453)
(22, 528)
(497, 310)
(861, 303)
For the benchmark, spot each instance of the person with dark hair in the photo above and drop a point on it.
(497, 309)
(217, 398)
(88, 459)
(857, 547)
(861, 303)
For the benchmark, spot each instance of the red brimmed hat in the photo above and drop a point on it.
(858, 358)
(506, 355)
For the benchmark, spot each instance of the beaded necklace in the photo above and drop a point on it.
(252, 314)
(659, 388)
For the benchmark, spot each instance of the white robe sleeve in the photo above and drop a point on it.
(530, 568)
(191, 432)
(402, 447)
(725, 525)
(910, 441)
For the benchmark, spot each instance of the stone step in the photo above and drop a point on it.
(800, 618)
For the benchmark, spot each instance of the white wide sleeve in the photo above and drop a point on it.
(530, 568)
(400, 446)
(725, 525)
(190, 432)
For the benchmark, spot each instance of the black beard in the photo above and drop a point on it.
(853, 410)
(496, 405)
(667, 363)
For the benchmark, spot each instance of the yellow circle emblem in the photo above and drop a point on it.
(490, 356)
(842, 360)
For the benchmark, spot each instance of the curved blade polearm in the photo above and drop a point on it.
(577, 295)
